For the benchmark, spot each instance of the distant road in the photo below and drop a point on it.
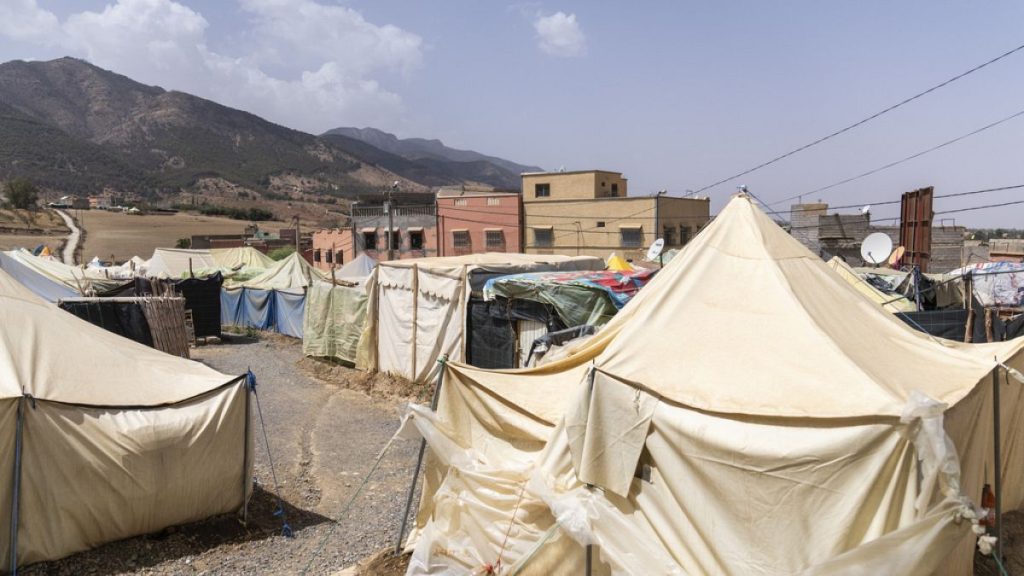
(69, 249)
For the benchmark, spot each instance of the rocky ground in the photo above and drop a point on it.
(323, 438)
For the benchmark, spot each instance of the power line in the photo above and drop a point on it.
(901, 161)
(864, 121)
(888, 202)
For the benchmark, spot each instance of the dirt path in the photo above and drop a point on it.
(323, 439)
(68, 256)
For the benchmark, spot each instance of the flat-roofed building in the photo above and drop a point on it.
(589, 213)
(473, 220)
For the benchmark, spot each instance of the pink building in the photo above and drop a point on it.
(475, 220)
(414, 236)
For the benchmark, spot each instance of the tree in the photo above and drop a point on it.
(21, 193)
(184, 243)
(281, 253)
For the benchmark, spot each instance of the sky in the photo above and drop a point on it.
(676, 95)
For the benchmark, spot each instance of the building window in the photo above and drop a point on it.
(461, 202)
(495, 239)
(494, 201)
(329, 256)
(460, 238)
(415, 239)
(669, 235)
(615, 189)
(396, 239)
(684, 234)
(600, 224)
(541, 190)
(370, 240)
(316, 255)
(632, 237)
(543, 237)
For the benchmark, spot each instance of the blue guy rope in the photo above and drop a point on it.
(286, 529)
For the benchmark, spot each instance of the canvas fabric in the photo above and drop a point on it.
(748, 412)
(118, 439)
(418, 307)
(179, 263)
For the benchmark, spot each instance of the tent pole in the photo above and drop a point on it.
(419, 458)
(996, 441)
(245, 457)
(17, 487)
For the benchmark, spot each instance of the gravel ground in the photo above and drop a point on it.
(324, 438)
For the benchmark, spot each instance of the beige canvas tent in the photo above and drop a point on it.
(418, 307)
(245, 257)
(179, 263)
(748, 412)
(105, 438)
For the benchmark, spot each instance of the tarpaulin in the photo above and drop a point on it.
(996, 283)
(125, 319)
(581, 297)
(335, 321)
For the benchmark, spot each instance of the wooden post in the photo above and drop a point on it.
(997, 442)
(989, 330)
(969, 305)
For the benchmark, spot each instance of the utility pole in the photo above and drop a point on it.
(391, 221)
(297, 250)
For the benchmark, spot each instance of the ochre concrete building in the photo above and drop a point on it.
(589, 213)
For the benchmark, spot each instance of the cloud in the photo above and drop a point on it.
(560, 35)
(298, 62)
(24, 20)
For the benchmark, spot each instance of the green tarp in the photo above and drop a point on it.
(335, 321)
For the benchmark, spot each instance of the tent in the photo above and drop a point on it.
(998, 284)
(48, 289)
(272, 300)
(335, 325)
(179, 263)
(418, 307)
(245, 257)
(81, 281)
(359, 268)
(580, 297)
(105, 438)
(618, 263)
(890, 301)
(748, 412)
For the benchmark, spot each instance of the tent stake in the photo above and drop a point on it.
(419, 458)
(996, 441)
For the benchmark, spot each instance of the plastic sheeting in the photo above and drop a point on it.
(278, 311)
(118, 439)
(996, 283)
(584, 297)
(125, 319)
(335, 322)
(725, 449)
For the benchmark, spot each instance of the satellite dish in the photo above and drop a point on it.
(655, 250)
(876, 248)
(896, 255)
(866, 210)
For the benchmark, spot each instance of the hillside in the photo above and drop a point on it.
(72, 126)
(434, 157)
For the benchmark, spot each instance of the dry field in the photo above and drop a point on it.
(125, 235)
(29, 241)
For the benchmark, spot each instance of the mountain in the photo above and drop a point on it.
(72, 126)
(464, 165)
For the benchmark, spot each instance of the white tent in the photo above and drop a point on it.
(358, 269)
(418, 306)
(178, 263)
(106, 438)
(749, 412)
(52, 280)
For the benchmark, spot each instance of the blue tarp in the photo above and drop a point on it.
(272, 310)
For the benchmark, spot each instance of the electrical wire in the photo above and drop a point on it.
(901, 161)
(863, 121)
